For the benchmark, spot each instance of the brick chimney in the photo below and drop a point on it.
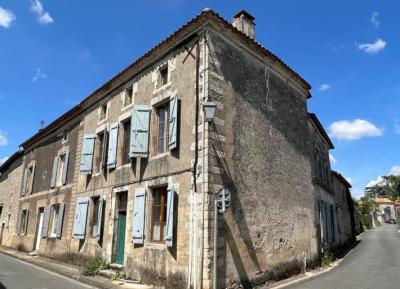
(244, 22)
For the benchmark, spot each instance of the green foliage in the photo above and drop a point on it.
(121, 275)
(327, 258)
(389, 187)
(92, 267)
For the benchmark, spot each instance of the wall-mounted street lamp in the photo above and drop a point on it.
(209, 109)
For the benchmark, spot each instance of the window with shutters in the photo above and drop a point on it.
(128, 96)
(94, 216)
(60, 169)
(24, 222)
(162, 113)
(126, 142)
(98, 152)
(159, 214)
(54, 223)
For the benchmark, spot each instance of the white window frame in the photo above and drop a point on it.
(60, 169)
(54, 215)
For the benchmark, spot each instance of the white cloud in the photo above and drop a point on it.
(372, 183)
(350, 180)
(3, 160)
(395, 170)
(38, 75)
(332, 159)
(43, 16)
(373, 48)
(3, 138)
(374, 19)
(6, 17)
(324, 87)
(353, 129)
(397, 126)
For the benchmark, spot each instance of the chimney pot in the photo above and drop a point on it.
(244, 22)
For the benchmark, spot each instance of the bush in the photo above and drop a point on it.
(327, 258)
(118, 276)
(93, 267)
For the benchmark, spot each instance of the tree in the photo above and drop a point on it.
(367, 205)
(389, 187)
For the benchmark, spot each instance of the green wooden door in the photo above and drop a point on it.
(119, 257)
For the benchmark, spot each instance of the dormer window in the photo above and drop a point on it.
(163, 75)
(103, 112)
(128, 96)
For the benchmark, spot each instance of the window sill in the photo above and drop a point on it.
(161, 88)
(156, 245)
(159, 156)
(127, 107)
(121, 167)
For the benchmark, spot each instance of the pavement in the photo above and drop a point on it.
(374, 263)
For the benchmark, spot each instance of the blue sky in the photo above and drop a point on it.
(54, 53)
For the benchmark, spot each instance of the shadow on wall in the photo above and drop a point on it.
(2, 286)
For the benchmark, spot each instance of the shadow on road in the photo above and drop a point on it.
(345, 251)
(2, 286)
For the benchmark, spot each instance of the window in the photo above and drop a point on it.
(94, 216)
(29, 180)
(60, 169)
(53, 228)
(103, 112)
(162, 131)
(65, 136)
(126, 143)
(24, 222)
(128, 96)
(163, 75)
(99, 152)
(1, 210)
(159, 214)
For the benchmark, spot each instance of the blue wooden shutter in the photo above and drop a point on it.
(24, 180)
(99, 217)
(87, 153)
(169, 232)
(26, 221)
(19, 221)
(46, 219)
(65, 169)
(138, 216)
(60, 220)
(80, 218)
(140, 123)
(173, 121)
(112, 146)
(54, 172)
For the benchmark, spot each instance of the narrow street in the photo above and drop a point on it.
(374, 263)
(15, 274)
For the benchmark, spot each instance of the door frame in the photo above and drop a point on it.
(117, 210)
(39, 226)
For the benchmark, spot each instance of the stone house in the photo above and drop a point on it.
(131, 174)
(326, 218)
(344, 209)
(47, 194)
(387, 209)
(10, 188)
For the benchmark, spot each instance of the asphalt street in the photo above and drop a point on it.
(15, 274)
(373, 264)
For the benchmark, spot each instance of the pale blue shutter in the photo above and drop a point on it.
(138, 216)
(19, 221)
(99, 217)
(80, 218)
(46, 220)
(112, 146)
(54, 172)
(140, 123)
(169, 232)
(173, 122)
(87, 153)
(24, 180)
(60, 220)
(65, 169)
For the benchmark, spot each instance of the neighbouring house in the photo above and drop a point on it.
(10, 188)
(47, 195)
(132, 172)
(344, 209)
(387, 209)
(326, 218)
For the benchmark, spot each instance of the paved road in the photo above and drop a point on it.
(15, 274)
(374, 263)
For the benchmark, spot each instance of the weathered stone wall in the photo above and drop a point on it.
(10, 189)
(259, 150)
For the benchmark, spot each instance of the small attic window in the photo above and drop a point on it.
(103, 111)
(128, 96)
(163, 75)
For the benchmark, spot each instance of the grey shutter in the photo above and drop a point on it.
(24, 180)
(54, 172)
(138, 216)
(32, 179)
(87, 153)
(140, 123)
(112, 146)
(65, 169)
(19, 221)
(169, 233)
(173, 122)
(99, 217)
(80, 218)
(26, 222)
(60, 220)
(46, 220)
